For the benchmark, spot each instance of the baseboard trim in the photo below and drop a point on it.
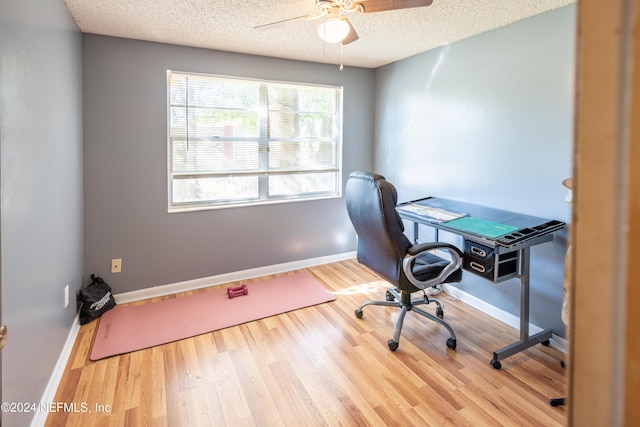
(40, 417)
(204, 282)
(189, 285)
(509, 319)
(50, 390)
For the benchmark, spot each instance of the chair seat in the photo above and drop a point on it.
(428, 266)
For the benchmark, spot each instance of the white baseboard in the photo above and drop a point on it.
(501, 315)
(497, 313)
(205, 282)
(50, 390)
(49, 394)
(54, 381)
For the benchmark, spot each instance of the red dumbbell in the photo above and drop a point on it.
(237, 291)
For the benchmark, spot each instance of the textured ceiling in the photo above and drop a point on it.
(228, 25)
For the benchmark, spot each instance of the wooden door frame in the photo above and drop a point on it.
(604, 349)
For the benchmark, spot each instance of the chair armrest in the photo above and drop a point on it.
(415, 250)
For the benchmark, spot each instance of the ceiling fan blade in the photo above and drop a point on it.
(282, 23)
(370, 6)
(352, 36)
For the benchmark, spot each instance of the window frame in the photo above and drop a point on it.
(263, 173)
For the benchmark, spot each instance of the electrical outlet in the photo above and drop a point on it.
(116, 265)
(66, 296)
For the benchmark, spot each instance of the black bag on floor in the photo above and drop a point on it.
(96, 299)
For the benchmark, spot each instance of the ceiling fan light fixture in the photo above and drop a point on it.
(334, 30)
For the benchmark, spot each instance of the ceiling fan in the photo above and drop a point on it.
(336, 28)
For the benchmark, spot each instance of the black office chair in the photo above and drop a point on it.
(383, 247)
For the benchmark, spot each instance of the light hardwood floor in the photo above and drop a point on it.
(320, 366)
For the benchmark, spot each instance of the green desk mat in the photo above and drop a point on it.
(481, 227)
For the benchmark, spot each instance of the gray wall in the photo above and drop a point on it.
(125, 165)
(488, 120)
(41, 190)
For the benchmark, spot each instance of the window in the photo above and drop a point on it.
(238, 142)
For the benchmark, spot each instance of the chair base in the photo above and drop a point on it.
(403, 301)
(559, 401)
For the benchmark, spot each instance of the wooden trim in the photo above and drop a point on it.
(632, 362)
(606, 200)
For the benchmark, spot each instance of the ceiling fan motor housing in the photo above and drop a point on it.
(327, 6)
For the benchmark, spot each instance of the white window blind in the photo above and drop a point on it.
(236, 142)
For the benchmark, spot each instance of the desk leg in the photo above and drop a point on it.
(526, 341)
(416, 233)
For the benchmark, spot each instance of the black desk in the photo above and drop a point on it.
(497, 247)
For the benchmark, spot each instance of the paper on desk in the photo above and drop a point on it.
(434, 214)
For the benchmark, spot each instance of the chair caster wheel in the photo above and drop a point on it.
(451, 343)
(393, 345)
(496, 364)
(389, 296)
(358, 313)
(440, 313)
(546, 343)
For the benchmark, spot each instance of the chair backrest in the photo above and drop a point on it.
(371, 205)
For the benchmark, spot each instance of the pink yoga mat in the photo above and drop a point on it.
(129, 328)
